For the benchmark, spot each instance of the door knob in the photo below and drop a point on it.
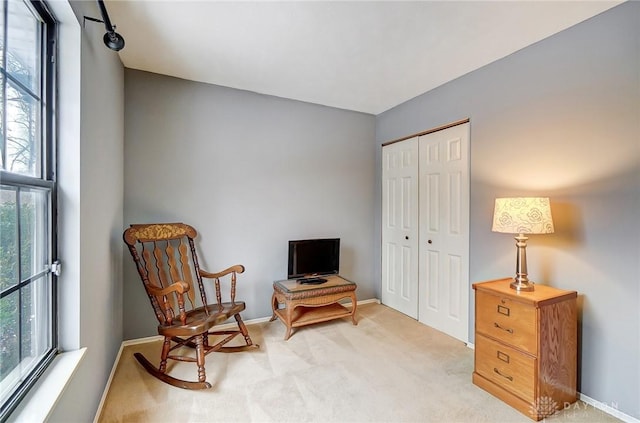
(406, 237)
(430, 242)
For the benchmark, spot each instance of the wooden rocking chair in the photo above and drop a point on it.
(166, 260)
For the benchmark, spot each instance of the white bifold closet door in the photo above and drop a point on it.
(425, 229)
(400, 226)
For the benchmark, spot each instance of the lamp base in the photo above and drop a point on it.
(521, 281)
(524, 286)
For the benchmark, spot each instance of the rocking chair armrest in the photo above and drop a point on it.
(238, 268)
(180, 287)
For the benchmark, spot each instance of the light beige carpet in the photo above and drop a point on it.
(388, 368)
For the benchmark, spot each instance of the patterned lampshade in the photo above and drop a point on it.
(523, 215)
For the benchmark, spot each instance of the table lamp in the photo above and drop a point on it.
(522, 215)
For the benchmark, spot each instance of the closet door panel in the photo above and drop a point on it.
(400, 226)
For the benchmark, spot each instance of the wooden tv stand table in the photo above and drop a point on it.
(305, 304)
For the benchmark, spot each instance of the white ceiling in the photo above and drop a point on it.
(356, 55)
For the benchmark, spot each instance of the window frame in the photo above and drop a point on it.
(47, 180)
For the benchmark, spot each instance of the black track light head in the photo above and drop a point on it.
(113, 40)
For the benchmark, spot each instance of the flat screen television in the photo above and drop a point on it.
(310, 257)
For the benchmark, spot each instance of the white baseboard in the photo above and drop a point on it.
(369, 301)
(140, 341)
(106, 389)
(607, 409)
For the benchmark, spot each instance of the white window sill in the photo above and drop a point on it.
(42, 397)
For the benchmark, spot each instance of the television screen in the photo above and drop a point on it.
(309, 257)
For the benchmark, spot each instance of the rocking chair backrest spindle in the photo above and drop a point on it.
(164, 255)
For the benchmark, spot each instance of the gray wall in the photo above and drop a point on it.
(91, 205)
(249, 172)
(561, 119)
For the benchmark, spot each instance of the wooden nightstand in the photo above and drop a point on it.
(526, 346)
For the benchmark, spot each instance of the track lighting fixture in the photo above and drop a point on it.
(111, 39)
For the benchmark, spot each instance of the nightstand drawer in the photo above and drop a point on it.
(509, 321)
(506, 367)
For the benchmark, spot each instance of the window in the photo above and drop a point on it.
(27, 197)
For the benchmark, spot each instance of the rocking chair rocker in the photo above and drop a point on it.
(166, 260)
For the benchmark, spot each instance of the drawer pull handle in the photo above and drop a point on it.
(510, 378)
(500, 327)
